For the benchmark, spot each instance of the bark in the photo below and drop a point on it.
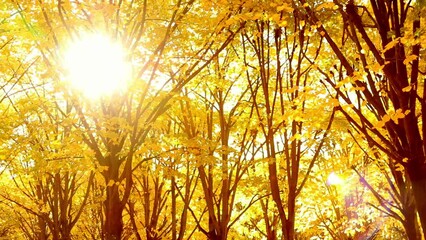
(113, 214)
(417, 175)
(174, 196)
(41, 232)
(113, 204)
(275, 191)
(411, 225)
(132, 215)
(270, 225)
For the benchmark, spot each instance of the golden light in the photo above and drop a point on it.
(334, 179)
(96, 66)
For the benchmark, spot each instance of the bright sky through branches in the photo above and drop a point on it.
(96, 66)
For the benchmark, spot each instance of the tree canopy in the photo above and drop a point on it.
(243, 119)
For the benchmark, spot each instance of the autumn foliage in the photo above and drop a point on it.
(236, 120)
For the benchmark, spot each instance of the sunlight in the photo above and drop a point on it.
(334, 179)
(96, 66)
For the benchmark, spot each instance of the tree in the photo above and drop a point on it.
(387, 106)
(34, 135)
(279, 64)
(49, 168)
(220, 142)
(115, 130)
(226, 128)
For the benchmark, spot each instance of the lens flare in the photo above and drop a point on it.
(96, 66)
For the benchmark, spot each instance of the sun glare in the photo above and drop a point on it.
(96, 66)
(334, 179)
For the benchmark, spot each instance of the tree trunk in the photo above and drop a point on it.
(174, 220)
(113, 204)
(214, 236)
(416, 173)
(41, 233)
(275, 191)
(113, 214)
(411, 225)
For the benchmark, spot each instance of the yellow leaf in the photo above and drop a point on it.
(386, 118)
(257, 16)
(409, 59)
(292, 90)
(379, 124)
(230, 21)
(325, 5)
(391, 45)
(376, 67)
(283, 24)
(399, 167)
(276, 18)
(110, 183)
(297, 136)
(335, 102)
(407, 88)
(397, 115)
(285, 8)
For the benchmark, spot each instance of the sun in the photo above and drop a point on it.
(96, 66)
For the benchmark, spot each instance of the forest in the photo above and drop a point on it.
(212, 119)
